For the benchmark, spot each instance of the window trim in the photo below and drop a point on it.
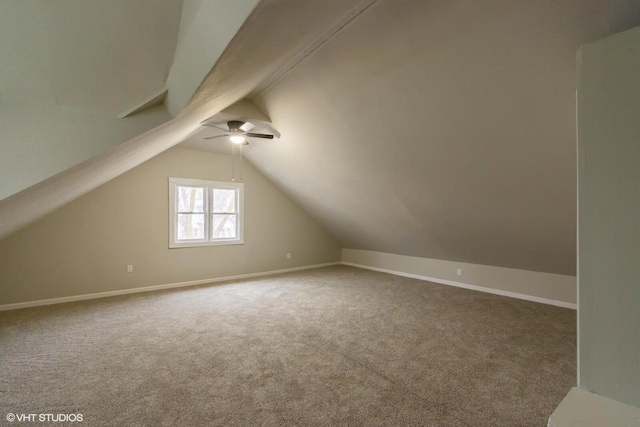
(174, 243)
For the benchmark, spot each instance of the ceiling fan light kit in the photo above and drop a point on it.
(237, 138)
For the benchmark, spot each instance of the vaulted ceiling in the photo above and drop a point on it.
(67, 69)
(71, 70)
(437, 129)
(442, 129)
(99, 54)
(273, 34)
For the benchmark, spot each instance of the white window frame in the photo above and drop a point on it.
(209, 186)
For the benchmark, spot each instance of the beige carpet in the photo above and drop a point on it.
(332, 346)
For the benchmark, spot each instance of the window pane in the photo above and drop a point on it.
(224, 227)
(224, 200)
(190, 227)
(190, 199)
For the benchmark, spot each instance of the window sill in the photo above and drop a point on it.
(180, 245)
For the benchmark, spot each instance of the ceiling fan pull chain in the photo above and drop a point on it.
(233, 162)
(241, 162)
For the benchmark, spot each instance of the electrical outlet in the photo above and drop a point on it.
(459, 272)
(129, 268)
(288, 255)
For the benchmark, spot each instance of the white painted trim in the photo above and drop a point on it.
(97, 295)
(208, 186)
(466, 286)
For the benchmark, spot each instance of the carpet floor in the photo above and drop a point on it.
(331, 346)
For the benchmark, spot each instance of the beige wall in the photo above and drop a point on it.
(554, 288)
(85, 246)
(609, 217)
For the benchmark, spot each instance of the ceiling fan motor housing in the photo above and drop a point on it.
(234, 125)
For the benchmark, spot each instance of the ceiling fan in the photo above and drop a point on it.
(238, 132)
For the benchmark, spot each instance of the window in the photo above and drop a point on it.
(205, 213)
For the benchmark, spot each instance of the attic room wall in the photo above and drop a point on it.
(548, 288)
(609, 217)
(85, 246)
(41, 140)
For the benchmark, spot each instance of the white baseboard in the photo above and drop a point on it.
(51, 301)
(62, 300)
(466, 286)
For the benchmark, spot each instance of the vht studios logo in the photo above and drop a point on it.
(50, 418)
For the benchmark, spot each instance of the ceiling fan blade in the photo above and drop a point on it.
(214, 126)
(247, 126)
(259, 135)
(217, 136)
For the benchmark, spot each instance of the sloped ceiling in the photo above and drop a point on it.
(104, 55)
(206, 27)
(68, 68)
(442, 129)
